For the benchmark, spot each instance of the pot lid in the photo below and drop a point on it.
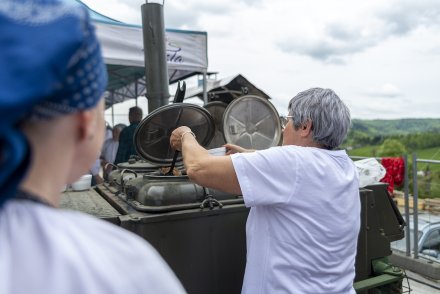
(152, 136)
(217, 109)
(252, 122)
(138, 165)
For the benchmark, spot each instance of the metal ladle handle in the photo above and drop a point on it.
(173, 163)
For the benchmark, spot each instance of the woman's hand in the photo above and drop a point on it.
(231, 149)
(176, 137)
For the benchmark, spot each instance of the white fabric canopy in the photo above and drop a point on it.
(122, 47)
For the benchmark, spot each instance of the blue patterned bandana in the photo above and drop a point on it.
(50, 65)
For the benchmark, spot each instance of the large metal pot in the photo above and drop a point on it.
(154, 192)
(125, 171)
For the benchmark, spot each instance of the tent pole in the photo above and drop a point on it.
(113, 109)
(205, 94)
(136, 91)
(155, 57)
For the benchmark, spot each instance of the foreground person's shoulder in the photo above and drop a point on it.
(129, 261)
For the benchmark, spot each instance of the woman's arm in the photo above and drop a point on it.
(231, 149)
(210, 171)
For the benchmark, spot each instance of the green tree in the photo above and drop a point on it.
(391, 148)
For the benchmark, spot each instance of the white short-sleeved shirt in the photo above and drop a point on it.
(47, 250)
(304, 221)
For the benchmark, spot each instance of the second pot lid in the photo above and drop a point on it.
(217, 109)
(152, 136)
(252, 122)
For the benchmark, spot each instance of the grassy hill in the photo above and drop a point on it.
(374, 132)
(381, 127)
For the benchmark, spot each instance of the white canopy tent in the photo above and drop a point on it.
(122, 47)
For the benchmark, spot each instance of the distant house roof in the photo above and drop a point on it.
(227, 89)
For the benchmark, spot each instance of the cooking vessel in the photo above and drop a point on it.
(152, 136)
(156, 192)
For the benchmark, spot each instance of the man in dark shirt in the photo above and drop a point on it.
(126, 145)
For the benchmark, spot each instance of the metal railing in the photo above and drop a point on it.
(415, 160)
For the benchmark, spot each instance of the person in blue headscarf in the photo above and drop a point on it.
(52, 77)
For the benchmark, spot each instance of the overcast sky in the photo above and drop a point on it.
(382, 57)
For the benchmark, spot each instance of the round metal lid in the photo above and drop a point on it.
(252, 122)
(217, 109)
(152, 136)
(138, 165)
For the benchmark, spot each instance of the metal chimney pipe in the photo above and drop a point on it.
(156, 69)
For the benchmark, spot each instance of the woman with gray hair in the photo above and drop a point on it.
(304, 220)
(52, 77)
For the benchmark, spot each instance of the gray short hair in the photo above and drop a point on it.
(329, 115)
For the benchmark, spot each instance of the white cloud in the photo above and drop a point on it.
(369, 27)
(128, 11)
(384, 91)
(367, 51)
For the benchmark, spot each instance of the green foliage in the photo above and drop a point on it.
(420, 140)
(413, 133)
(430, 153)
(429, 184)
(366, 151)
(391, 148)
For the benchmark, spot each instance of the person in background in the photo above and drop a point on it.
(51, 131)
(95, 171)
(304, 221)
(110, 148)
(108, 131)
(126, 145)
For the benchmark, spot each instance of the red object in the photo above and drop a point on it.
(395, 167)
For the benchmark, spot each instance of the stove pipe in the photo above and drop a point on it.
(156, 69)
